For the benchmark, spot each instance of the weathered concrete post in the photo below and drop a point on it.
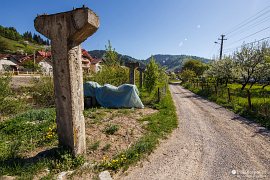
(141, 70)
(132, 66)
(67, 31)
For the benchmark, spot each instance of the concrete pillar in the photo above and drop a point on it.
(141, 70)
(132, 66)
(67, 31)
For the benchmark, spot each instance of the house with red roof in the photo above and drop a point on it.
(44, 59)
(96, 65)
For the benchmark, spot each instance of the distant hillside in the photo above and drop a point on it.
(172, 62)
(13, 46)
(123, 58)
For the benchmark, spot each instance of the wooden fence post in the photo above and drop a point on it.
(216, 90)
(249, 100)
(229, 95)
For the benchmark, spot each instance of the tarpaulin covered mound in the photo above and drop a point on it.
(109, 96)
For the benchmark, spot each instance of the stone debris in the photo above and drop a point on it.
(62, 175)
(105, 175)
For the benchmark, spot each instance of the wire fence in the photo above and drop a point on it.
(251, 101)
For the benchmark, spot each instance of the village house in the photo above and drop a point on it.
(8, 63)
(16, 62)
(86, 61)
(44, 60)
(96, 65)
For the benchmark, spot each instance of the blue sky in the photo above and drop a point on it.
(141, 28)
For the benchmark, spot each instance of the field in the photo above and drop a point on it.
(232, 97)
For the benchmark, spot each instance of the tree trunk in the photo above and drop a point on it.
(251, 85)
(265, 85)
(227, 80)
(243, 86)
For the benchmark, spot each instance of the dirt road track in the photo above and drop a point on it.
(210, 143)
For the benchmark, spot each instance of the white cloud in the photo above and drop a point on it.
(186, 39)
(198, 26)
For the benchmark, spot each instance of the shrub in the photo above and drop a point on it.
(114, 75)
(5, 90)
(8, 104)
(111, 129)
(43, 92)
(151, 75)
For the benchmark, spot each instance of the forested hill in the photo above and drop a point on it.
(171, 62)
(11, 41)
(123, 58)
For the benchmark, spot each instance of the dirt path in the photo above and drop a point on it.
(210, 143)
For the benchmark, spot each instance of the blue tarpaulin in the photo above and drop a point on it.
(124, 96)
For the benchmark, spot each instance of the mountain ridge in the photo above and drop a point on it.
(170, 62)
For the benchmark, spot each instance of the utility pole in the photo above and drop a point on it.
(221, 45)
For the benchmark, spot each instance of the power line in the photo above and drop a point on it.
(231, 49)
(249, 35)
(250, 26)
(248, 20)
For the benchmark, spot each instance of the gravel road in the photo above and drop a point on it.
(210, 143)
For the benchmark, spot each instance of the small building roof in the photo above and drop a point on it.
(44, 53)
(96, 61)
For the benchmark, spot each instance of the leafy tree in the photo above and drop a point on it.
(111, 57)
(194, 65)
(114, 75)
(250, 62)
(10, 33)
(151, 75)
(187, 75)
(221, 70)
(31, 65)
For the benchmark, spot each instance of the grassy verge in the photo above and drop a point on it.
(238, 101)
(27, 134)
(159, 125)
(28, 141)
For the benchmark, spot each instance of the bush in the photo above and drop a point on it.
(151, 75)
(8, 104)
(43, 92)
(114, 75)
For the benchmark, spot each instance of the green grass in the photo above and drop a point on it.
(260, 100)
(106, 147)
(160, 125)
(111, 129)
(12, 46)
(94, 146)
(26, 133)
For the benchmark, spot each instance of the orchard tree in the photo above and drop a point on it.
(151, 75)
(221, 70)
(250, 61)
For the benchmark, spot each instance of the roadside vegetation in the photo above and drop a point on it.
(116, 138)
(239, 82)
